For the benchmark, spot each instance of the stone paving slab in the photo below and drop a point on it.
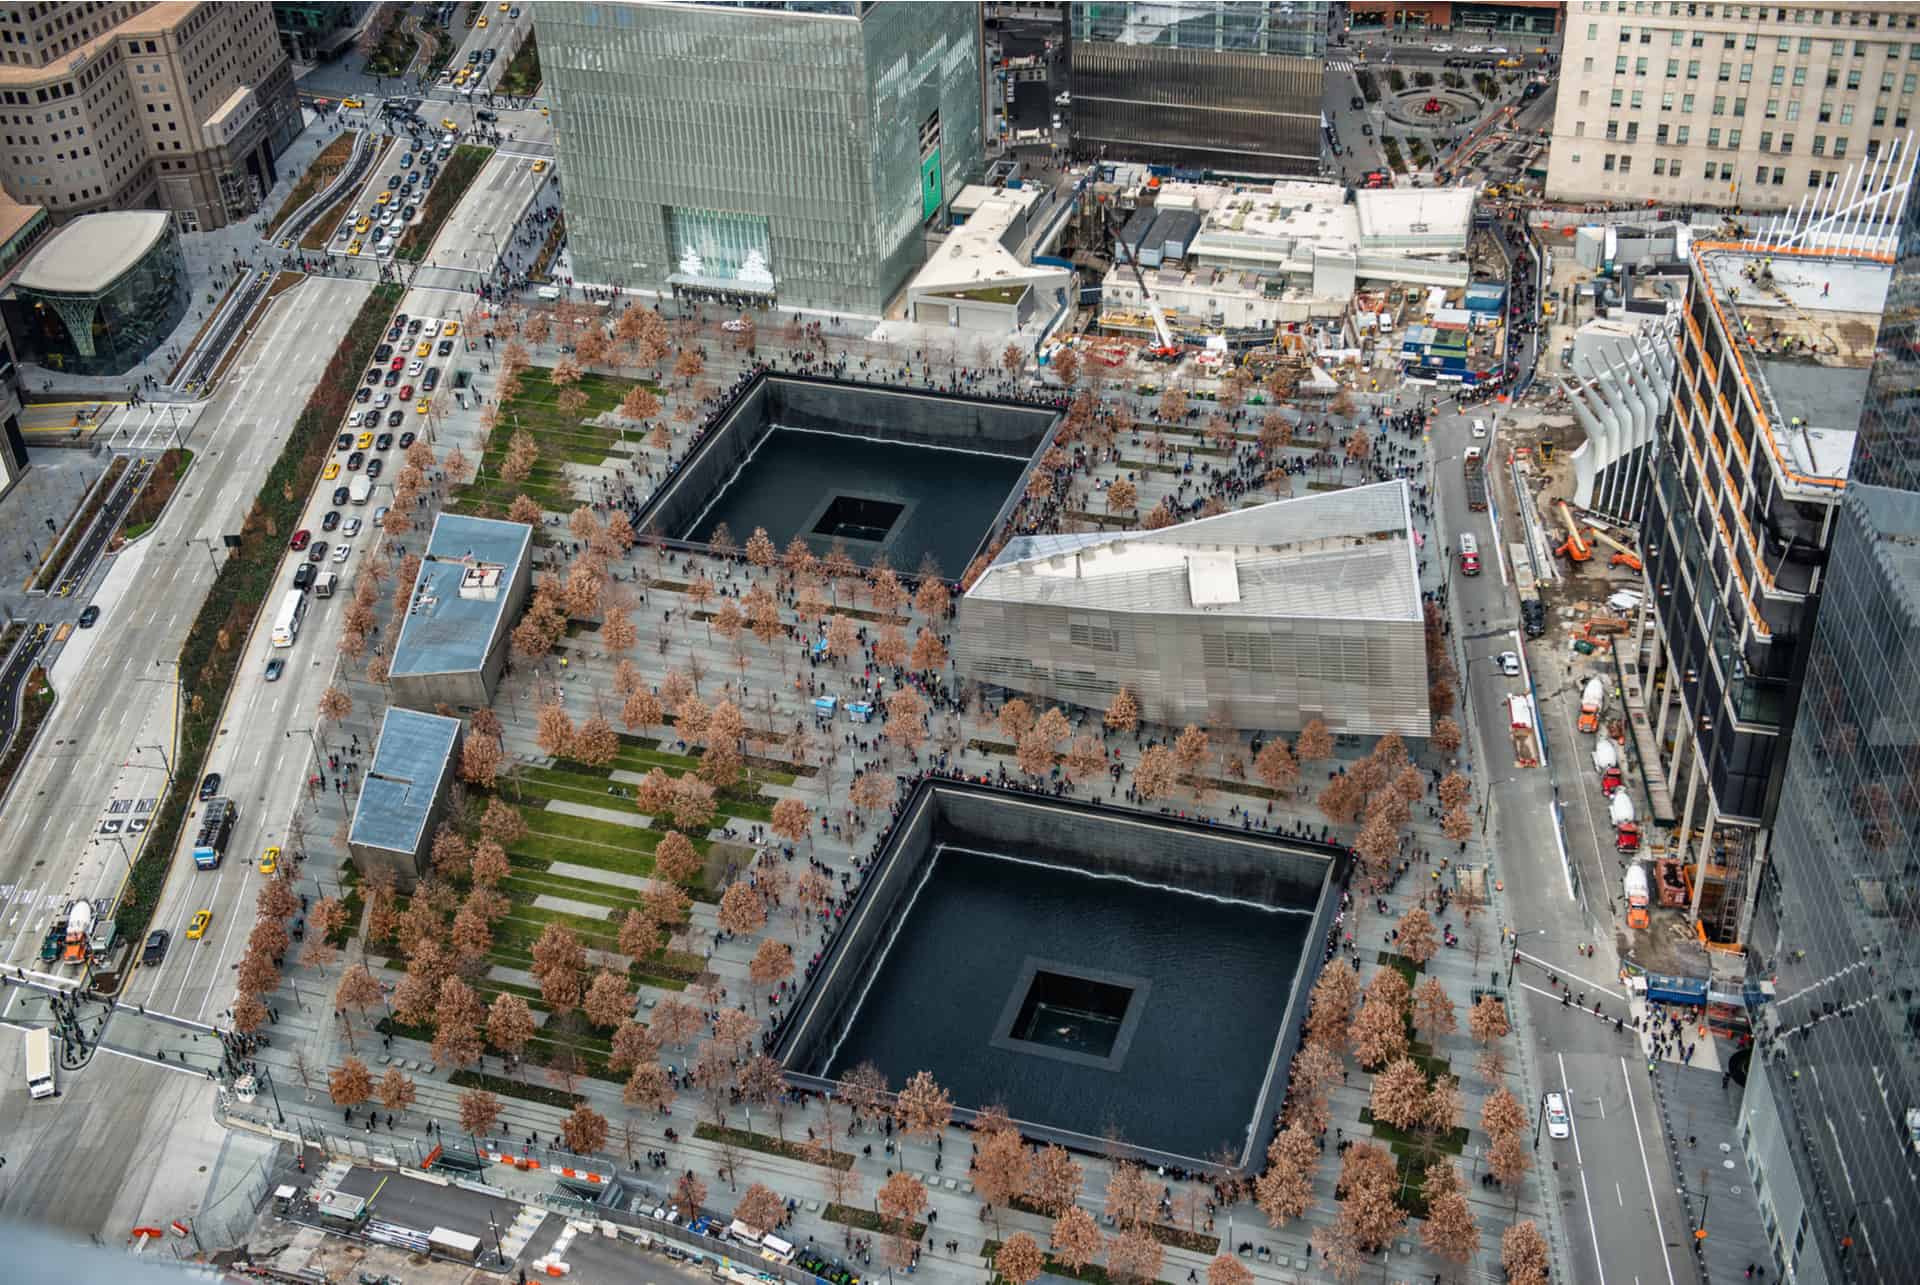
(568, 906)
(515, 976)
(596, 813)
(612, 878)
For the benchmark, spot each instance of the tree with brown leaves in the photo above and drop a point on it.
(1487, 1020)
(1285, 1190)
(559, 963)
(741, 911)
(1002, 1169)
(1019, 1259)
(350, 1083)
(922, 1108)
(1508, 1158)
(509, 1023)
(481, 760)
(1134, 1256)
(1399, 1094)
(1379, 1034)
(1433, 1013)
(1501, 1114)
(1368, 1218)
(772, 963)
(691, 1194)
(608, 1002)
(1156, 775)
(397, 1092)
(1123, 715)
(1418, 939)
(901, 1199)
(1131, 1199)
(1076, 1238)
(675, 858)
(1055, 1181)
(1313, 744)
(1331, 1011)
(871, 792)
(584, 1131)
(760, 1208)
(479, 1112)
(1523, 1254)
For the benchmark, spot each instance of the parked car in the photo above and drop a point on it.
(88, 616)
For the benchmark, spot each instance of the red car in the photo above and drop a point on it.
(406, 393)
(398, 363)
(300, 539)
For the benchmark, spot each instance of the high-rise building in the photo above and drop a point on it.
(180, 106)
(1831, 1115)
(1202, 84)
(1775, 344)
(1738, 106)
(793, 153)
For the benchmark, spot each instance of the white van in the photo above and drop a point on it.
(325, 583)
(548, 292)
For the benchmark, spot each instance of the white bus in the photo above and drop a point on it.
(286, 622)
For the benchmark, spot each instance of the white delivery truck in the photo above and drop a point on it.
(40, 1062)
(360, 490)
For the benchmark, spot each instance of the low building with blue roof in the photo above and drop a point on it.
(403, 794)
(474, 579)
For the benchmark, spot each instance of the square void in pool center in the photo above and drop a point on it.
(899, 499)
(1083, 1002)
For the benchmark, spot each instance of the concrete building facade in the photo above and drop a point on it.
(1734, 106)
(1264, 618)
(182, 105)
(761, 154)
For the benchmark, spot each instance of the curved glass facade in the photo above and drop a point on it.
(105, 332)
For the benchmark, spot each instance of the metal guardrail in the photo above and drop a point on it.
(364, 149)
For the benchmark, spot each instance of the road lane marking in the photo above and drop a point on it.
(1573, 1132)
(1558, 971)
(1646, 1167)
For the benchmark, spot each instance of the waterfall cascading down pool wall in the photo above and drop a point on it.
(1100, 972)
(893, 472)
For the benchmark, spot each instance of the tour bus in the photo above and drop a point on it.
(1469, 556)
(286, 622)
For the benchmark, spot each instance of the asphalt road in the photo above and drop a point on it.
(1606, 1176)
(482, 226)
(115, 680)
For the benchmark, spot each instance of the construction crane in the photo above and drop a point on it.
(1168, 348)
(1623, 556)
(1575, 545)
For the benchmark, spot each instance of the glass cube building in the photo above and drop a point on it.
(1831, 1115)
(1207, 84)
(777, 153)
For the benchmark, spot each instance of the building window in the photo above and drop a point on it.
(1606, 162)
(1680, 134)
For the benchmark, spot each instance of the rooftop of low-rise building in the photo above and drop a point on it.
(1806, 325)
(93, 251)
(414, 751)
(974, 261)
(1341, 554)
(459, 603)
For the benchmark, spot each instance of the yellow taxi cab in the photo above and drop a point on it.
(332, 471)
(198, 928)
(460, 77)
(544, 112)
(504, 6)
(364, 442)
(481, 21)
(270, 860)
(447, 124)
(362, 224)
(352, 104)
(384, 197)
(449, 330)
(423, 350)
(539, 167)
(354, 248)
(423, 405)
(1511, 62)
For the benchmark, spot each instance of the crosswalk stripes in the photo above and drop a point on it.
(1340, 64)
